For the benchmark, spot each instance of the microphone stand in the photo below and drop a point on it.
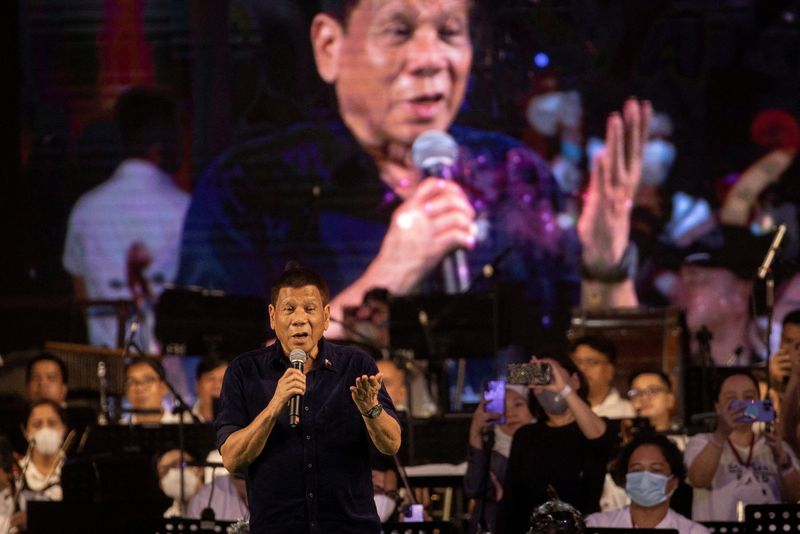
(180, 410)
(765, 273)
(487, 437)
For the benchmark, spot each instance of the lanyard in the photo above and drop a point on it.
(749, 454)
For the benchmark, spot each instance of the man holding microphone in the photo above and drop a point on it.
(315, 476)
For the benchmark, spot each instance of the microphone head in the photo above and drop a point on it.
(434, 148)
(298, 356)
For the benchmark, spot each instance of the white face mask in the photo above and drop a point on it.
(171, 483)
(47, 440)
(385, 506)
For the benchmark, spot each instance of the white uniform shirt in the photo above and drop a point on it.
(622, 519)
(614, 406)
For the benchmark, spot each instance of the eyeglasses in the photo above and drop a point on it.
(145, 382)
(646, 392)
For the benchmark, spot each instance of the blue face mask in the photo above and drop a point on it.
(646, 489)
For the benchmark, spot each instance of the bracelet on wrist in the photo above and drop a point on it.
(717, 442)
(625, 269)
(565, 391)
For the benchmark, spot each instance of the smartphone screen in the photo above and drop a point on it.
(495, 395)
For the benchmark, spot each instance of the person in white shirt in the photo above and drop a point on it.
(653, 468)
(123, 236)
(146, 389)
(735, 464)
(45, 430)
(595, 357)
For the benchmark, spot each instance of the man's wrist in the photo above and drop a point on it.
(373, 412)
(566, 390)
(624, 270)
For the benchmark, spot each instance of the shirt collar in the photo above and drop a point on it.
(325, 356)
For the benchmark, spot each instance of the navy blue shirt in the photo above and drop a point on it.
(315, 477)
(314, 195)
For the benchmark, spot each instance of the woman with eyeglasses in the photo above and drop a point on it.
(651, 395)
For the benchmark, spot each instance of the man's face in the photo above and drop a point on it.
(595, 366)
(209, 384)
(299, 318)
(649, 457)
(143, 387)
(710, 295)
(400, 67)
(46, 382)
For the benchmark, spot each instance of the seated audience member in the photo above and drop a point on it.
(653, 468)
(567, 448)
(517, 413)
(45, 430)
(783, 362)
(209, 384)
(226, 495)
(595, 357)
(145, 389)
(169, 480)
(736, 463)
(46, 378)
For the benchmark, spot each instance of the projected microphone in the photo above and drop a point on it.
(297, 358)
(773, 249)
(435, 154)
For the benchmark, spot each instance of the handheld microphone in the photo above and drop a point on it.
(297, 358)
(435, 154)
(773, 249)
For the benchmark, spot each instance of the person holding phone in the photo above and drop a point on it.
(567, 448)
(499, 416)
(736, 464)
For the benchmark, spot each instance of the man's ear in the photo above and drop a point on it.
(326, 314)
(326, 39)
(271, 311)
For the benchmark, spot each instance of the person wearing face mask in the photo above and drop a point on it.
(517, 413)
(735, 464)
(45, 431)
(226, 495)
(169, 480)
(652, 467)
(568, 448)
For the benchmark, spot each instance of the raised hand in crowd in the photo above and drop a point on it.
(604, 223)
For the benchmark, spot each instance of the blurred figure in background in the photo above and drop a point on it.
(209, 374)
(595, 357)
(123, 236)
(46, 378)
(168, 467)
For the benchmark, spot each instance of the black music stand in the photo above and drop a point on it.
(725, 527)
(772, 517)
(146, 438)
(170, 525)
(204, 322)
(437, 327)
